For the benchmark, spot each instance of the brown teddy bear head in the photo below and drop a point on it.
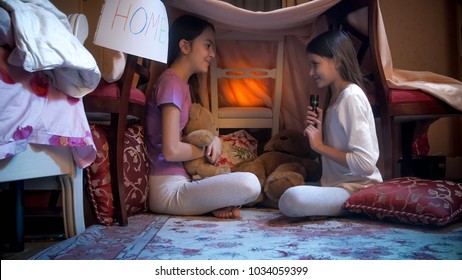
(292, 142)
(199, 118)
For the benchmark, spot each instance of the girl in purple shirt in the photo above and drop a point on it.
(171, 190)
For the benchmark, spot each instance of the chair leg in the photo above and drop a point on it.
(123, 220)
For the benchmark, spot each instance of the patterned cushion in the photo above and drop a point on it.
(236, 147)
(135, 175)
(410, 200)
(99, 179)
(135, 171)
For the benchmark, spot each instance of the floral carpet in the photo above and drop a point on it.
(260, 234)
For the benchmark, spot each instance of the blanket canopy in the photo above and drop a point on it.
(299, 24)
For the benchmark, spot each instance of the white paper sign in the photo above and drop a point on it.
(138, 27)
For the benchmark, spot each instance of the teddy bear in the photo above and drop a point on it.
(287, 160)
(200, 131)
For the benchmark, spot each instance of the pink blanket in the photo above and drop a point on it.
(33, 111)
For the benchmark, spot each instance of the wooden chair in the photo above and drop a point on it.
(248, 117)
(396, 108)
(123, 99)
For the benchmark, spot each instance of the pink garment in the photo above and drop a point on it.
(170, 89)
(33, 111)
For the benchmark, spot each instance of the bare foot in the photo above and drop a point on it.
(227, 213)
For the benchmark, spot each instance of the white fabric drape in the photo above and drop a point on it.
(300, 23)
(227, 16)
(297, 23)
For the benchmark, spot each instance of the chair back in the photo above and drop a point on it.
(117, 103)
(248, 117)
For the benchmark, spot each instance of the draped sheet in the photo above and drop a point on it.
(43, 41)
(40, 84)
(445, 88)
(33, 111)
(301, 23)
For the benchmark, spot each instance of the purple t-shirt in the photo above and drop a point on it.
(170, 89)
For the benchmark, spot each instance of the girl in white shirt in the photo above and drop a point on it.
(346, 138)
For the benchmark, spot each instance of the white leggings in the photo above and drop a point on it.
(178, 195)
(302, 201)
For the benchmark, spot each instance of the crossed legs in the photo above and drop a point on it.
(219, 195)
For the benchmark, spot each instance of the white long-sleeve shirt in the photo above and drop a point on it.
(349, 126)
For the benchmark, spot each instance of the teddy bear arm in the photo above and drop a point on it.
(292, 166)
(209, 170)
(279, 181)
(191, 166)
(256, 167)
(202, 168)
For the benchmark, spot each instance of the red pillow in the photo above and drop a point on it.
(99, 179)
(135, 174)
(135, 171)
(410, 200)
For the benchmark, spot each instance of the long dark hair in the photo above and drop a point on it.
(187, 27)
(336, 44)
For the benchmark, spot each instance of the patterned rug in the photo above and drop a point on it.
(260, 234)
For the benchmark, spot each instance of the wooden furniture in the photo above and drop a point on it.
(43, 167)
(399, 111)
(121, 100)
(248, 117)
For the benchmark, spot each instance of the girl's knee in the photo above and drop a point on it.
(253, 184)
(289, 202)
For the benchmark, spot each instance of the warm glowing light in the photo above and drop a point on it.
(246, 92)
